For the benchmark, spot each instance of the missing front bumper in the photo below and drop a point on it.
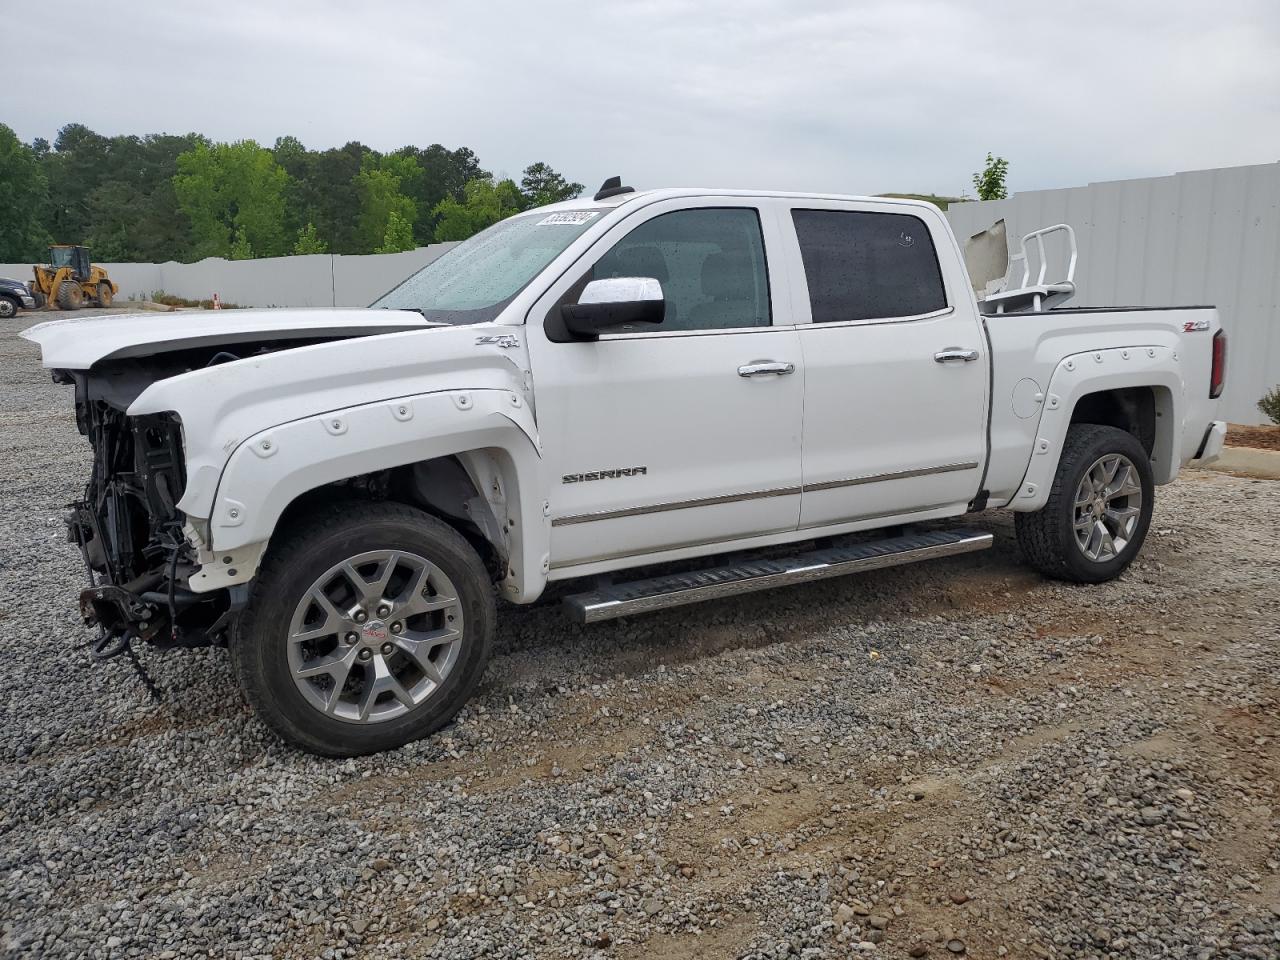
(117, 611)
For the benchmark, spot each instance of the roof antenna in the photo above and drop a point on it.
(611, 188)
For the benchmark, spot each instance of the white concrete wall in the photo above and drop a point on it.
(1205, 237)
(320, 280)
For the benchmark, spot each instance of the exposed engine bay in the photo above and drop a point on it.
(128, 526)
(146, 560)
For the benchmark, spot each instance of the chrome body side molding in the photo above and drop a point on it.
(758, 494)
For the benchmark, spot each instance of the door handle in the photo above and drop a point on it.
(762, 368)
(955, 353)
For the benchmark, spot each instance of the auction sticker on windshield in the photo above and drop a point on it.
(573, 218)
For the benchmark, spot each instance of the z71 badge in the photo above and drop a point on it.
(604, 474)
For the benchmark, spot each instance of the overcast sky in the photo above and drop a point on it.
(855, 97)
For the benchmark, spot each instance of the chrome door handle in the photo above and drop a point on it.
(955, 353)
(761, 368)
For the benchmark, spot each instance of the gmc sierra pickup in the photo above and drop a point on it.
(733, 390)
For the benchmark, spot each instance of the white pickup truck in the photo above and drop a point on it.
(731, 389)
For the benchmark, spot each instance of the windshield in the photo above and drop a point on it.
(477, 278)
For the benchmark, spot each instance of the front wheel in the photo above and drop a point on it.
(8, 307)
(367, 628)
(1098, 511)
(105, 294)
(70, 296)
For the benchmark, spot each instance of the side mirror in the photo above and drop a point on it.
(614, 302)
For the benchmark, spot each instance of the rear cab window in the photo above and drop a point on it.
(868, 266)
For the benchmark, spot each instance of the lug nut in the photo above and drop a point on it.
(366, 653)
(397, 627)
(351, 638)
(384, 610)
(386, 649)
(360, 616)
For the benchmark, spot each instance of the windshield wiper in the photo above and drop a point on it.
(417, 310)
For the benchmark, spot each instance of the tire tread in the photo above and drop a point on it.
(331, 519)
(1045, 541)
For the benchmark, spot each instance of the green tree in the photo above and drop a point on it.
(332, 201)
(485, 202)
(290, 154)
(162, 231)
(441, 173)
(78, 166)
(234, 195)
(131, 198)
(378, 184)
(989, 183)
(309, 241)
(398, 236)
(23, 199)
(241, 249)
(540, 185)
(113, 219)
(116, 193)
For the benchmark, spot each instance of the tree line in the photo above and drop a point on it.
(166, 197)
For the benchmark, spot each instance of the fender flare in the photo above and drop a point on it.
(1097, 371)
(491, 431)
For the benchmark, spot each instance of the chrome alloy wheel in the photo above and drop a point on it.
(375, 636)
(1108, 506)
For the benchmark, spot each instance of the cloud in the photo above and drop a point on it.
(865, 97)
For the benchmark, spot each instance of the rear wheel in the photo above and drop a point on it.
(70, 296)
(366, 629)
(1098, 511)
(105, 295)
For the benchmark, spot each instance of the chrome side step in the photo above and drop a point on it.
(673, 590)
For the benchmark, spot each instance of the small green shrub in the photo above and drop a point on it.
(1270, 404)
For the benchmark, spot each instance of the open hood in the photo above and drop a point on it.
(78, 343)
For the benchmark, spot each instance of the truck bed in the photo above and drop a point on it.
(1030, 351)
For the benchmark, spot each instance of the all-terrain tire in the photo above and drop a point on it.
(1047, 537)
(70, 296)
(105, 294)
(259, 646)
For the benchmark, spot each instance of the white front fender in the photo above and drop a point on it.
(494, 429)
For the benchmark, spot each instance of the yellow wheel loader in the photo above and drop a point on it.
(70, 280)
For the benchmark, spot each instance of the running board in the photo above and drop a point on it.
(673, 590)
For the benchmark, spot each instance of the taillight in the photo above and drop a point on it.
(1218, 375)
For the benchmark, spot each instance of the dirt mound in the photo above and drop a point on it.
(1264, 437)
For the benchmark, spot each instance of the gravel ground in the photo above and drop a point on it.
(956, 758)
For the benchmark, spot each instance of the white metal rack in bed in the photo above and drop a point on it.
(1043, 294)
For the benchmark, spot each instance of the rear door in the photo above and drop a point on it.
(896, 365)
(685, 435)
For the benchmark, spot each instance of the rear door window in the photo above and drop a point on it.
(868, 266)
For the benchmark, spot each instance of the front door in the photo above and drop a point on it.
(683, 435)
(896, 368)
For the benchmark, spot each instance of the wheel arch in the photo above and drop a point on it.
(1137, 389)
(1145, 411)
(470, 457)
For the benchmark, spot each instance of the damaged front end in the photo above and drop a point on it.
(143, 554)
(128, 526)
